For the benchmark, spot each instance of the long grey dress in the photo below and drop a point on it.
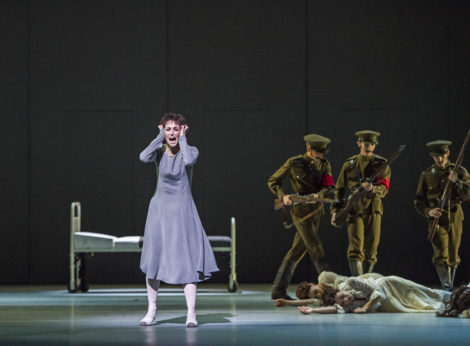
(176, 249)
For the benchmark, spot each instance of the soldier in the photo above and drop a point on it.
(432, 182)
(365, 216)
(309, 173)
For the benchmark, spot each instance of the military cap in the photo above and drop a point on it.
(368, 136)
(439, 147)
(317, 142)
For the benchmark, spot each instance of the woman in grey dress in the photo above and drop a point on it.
(175, 249)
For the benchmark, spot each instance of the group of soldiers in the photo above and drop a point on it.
(310, 174)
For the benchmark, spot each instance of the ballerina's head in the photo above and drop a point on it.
(174, 126)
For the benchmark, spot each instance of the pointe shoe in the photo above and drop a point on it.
(149, 319)
(191, 320)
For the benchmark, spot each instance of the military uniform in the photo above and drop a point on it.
(364, 218)
(306, 176)
(446, 241)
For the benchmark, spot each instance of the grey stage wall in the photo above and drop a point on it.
(85, 82)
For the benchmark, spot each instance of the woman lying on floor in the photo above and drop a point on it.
(311, 294)
(386, 294)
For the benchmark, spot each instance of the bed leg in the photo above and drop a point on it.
(74, 227)
(233, 284)
(83, 285)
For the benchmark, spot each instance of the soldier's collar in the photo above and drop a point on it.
(309, 159)
(365, 158)
(448, 164)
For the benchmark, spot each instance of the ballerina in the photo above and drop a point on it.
(175, 249)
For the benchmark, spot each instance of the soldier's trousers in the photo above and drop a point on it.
(306, 239)
(446, 243)
(364, 237)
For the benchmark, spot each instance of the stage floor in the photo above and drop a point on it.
(40, 315)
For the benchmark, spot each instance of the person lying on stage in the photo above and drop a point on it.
(458, 305)
(386, 294)
(308, 294)
(311, 294)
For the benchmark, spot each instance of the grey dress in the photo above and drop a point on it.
(175, 249)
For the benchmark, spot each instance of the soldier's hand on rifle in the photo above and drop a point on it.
(453, 176)
(367, 186)
(436, 212)
(333, 219)
(286, 200)
(313, 195)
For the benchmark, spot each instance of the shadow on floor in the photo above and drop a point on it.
(201, 319)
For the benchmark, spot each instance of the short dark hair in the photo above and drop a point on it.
(176, 117)
(458, 302)
(329, 296)
(302, 290)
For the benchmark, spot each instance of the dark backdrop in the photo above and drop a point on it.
(84, 84)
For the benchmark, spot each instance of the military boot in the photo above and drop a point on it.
(368, 267)
(355, 268)
(282, 280)
(444, 277)
(320, 265)
(452, 277)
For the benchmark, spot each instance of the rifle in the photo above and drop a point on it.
(448, 188)
(298, 199)
(360, 192)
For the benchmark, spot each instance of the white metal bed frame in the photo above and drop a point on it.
(82, 243)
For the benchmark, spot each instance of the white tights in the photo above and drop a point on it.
(152, 292)
(190, 295)
(190, 292)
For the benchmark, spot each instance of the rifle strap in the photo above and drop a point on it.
(436, 227)
(353, 163)
(448, 202)
(308, 216)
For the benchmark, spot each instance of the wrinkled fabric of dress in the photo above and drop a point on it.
(175, 249)
(335, 280)
(395, 294)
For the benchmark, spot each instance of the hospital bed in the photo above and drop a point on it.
(89, 243)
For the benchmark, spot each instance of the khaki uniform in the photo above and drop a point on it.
(446, 241)
(306, 176)
(364, 218)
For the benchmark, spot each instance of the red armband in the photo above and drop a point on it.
(327, 180)
(384, 181)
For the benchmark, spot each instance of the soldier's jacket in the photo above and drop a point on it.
(306, 176)
(353, 173)
(431, 186)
